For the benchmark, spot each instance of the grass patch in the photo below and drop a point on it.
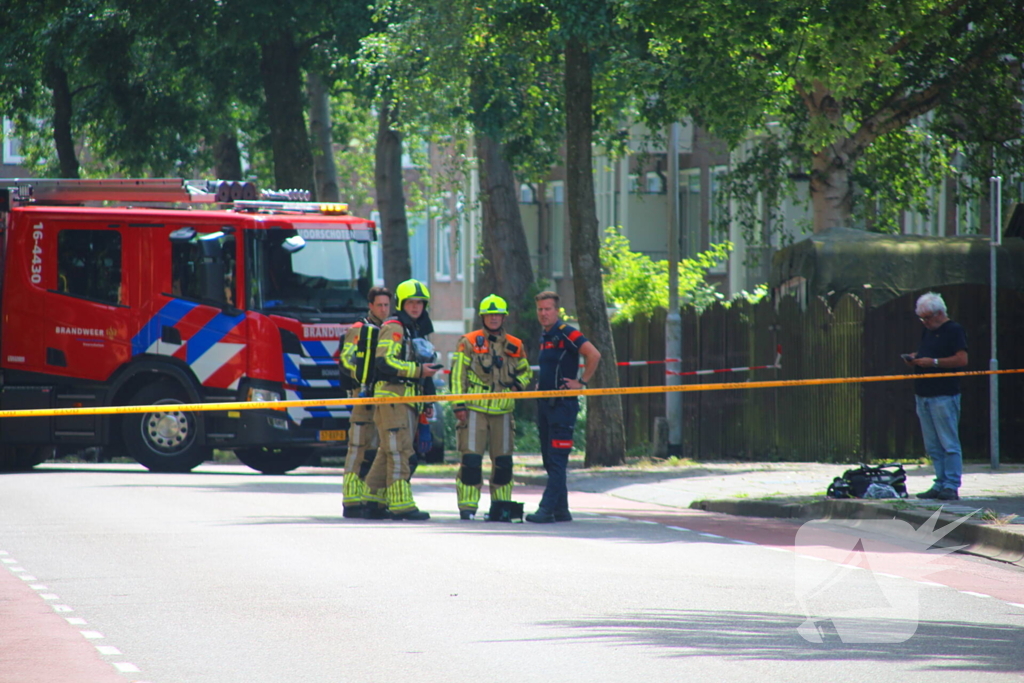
(645, 462)
(437, 470)
(992, 517)
(224, 456)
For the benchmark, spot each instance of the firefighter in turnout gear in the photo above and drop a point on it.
(405, 365)
(487, 361)
(358, 357)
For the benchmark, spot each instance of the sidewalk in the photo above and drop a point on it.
(796, 491)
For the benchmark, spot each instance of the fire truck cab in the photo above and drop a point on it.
(145, 296)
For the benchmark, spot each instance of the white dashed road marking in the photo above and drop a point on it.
(106, 650)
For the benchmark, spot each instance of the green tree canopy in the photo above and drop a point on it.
(867, 100)
(638, 285)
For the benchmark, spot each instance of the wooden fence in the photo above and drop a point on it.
(858, 422)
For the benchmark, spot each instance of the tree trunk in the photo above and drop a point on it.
(63, 140)
(831, 189)
(282, 87)
(325, 171)
(227, 162)
(486, 279)
(387, 177)
(504, 241)
(606, 442)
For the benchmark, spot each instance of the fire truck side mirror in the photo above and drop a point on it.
(182, 235)
(293, 244)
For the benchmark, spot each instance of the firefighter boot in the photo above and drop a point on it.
(467, 485)
(501, 478)
(375, 506)
(354, 492)
(400, 502)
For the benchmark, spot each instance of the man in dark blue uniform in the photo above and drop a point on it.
(561, 346)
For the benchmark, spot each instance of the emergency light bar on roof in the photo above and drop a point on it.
(327, 208)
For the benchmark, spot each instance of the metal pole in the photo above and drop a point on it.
(468, 244)
(996, 232)
(673, 323)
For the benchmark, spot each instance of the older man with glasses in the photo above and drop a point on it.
(943, 347)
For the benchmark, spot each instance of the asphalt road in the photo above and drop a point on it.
(223, 575)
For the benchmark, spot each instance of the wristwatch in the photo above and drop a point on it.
(582, 382)
(935, 362)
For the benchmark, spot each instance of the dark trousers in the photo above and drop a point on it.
(556, 420)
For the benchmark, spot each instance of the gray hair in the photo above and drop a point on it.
(931, 303)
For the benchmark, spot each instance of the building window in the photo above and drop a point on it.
(419, 245)
(12, 145)
(689, 212)
(89, 264)
(717, 172)
(460, 240)
(556, 205)
(442, 250)
(655, 182)
(376, 253)
(526, 194)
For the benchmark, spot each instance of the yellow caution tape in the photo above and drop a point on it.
(462, 398)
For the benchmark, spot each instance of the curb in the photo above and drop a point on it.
(985, 540)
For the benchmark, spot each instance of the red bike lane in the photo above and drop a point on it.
(38, 645)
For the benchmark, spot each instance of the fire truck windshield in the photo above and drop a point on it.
(321, 275)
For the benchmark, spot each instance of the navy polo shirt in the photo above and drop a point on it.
(943, 342)
(559, 355)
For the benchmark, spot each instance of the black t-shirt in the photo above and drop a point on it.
(559, 355)
(943, 342)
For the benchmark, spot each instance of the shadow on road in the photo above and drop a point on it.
(753, 636)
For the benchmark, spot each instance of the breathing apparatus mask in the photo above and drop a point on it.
(422, 350)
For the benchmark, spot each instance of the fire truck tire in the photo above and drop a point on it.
(166, 440)
(21, 458)
(274, 460)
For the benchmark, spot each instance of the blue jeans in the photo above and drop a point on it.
(555, 423)
(940, 427)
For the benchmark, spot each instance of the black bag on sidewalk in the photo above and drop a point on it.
(504, 511)
(854, 483)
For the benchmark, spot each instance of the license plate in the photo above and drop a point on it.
(333, 435)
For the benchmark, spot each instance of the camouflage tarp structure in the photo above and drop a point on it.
(878, 268)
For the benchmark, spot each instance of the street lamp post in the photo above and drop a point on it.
(996, 232)
(673, 323)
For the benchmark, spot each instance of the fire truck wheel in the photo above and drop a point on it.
(165, 440)
(274, 460)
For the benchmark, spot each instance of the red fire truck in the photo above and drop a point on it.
(131, 292)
